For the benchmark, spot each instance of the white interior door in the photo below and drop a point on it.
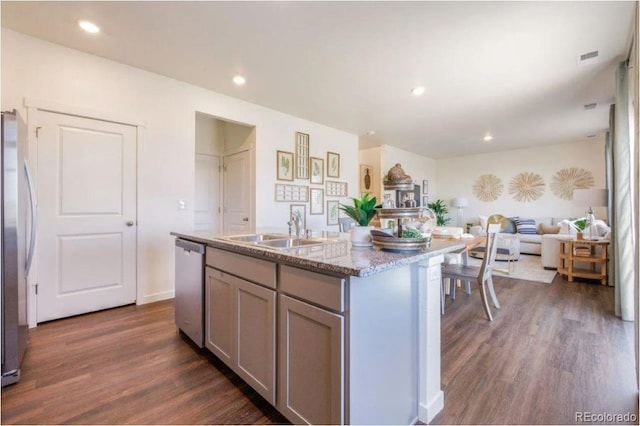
(207, 192)
(237, 193)
(86, 215)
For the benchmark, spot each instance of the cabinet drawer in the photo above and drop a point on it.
(316, 288)
(256, 270)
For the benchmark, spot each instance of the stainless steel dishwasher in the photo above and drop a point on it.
(189, 300)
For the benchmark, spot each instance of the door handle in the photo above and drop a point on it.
(245, 219)
(130, 223)
(34, 226)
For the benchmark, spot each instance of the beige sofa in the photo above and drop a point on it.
(529, 243)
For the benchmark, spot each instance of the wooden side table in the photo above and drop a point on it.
(583, 251)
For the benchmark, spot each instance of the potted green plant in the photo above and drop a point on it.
(362, 211)
(581, 225)
(439, 208)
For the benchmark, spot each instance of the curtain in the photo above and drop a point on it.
(622, 198)
(608, 158)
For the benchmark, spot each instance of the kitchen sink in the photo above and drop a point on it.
(289, 243)
(277, 241)
(256, 238)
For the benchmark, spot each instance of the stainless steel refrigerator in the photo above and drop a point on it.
(18, 238)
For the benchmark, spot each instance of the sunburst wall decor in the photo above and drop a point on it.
(488, 188)
(526, 186)
(566, 180)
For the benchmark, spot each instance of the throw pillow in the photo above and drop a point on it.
(483, 222)
(511, 225)
(526, 226)
(602, 227)
(567, 228)
(543, 228)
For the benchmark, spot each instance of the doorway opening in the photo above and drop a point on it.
(224, 175)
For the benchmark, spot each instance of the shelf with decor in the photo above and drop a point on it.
(586, 251)
(398, 181)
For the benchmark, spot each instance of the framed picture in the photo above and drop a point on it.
(285, 192)
(302, 156)
(317, 170)
(425, 201)
(336, 189)
(299, 210)
(425, 186)
(333, 211)
(366, 178)
(416, 196)
(284, 162)
(333, 165)
(317, 201)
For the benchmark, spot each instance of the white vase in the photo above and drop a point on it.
(361, 236)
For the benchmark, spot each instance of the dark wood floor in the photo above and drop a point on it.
(552, 350)
(127, 366)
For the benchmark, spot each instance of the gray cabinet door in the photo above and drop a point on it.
(256, 336)
(219, 324)
(310, 363)
(240, 328)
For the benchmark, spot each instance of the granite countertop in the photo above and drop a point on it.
(336, 256)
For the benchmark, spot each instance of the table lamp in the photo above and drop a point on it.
(592, 198)
(460, 203)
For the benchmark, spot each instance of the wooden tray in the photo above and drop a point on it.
(400, 212)
(393, 186)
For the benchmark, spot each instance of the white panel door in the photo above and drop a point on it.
(86, 215)
(237, 193)
(207, 192)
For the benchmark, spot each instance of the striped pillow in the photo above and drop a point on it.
(526, 226)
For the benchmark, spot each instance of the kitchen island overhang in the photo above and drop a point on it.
(390, 313)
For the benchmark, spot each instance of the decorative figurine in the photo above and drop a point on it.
(397, 175)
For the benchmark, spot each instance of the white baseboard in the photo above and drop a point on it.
(155, 297)
(427, 412)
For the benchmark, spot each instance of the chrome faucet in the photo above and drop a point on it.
(295, 220)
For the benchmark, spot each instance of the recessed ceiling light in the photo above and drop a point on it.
(418, 91)
(488, 138)
(239, 80)
(89, 27)
(371, 132)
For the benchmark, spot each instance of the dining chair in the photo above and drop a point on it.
(345, 223)
(480, 275)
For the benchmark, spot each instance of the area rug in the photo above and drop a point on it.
(528, 267)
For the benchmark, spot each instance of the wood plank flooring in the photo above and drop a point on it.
(127, 366)
(552, 350)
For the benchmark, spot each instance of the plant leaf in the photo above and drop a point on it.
(362, 211)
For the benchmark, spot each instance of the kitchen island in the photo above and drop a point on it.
(326, 332)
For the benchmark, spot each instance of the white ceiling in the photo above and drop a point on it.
(508, 68)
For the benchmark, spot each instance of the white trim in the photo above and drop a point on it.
(426, 412)
(430, 394)
(61, 108)
(156, 297)
(139, 139)
(32, 156)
